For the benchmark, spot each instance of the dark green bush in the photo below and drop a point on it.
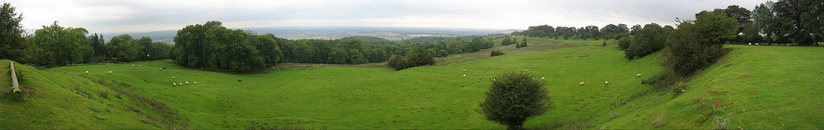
(513, 97)
(496, 53)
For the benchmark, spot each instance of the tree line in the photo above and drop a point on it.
(214, 47)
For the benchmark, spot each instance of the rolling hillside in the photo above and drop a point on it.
(762, 86)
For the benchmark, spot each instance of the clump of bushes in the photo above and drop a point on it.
(416, 57)
(694, 46)
(647, 40)
(496, 53)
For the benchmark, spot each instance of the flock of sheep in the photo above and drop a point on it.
(173, 77)
(181, 83)
(579, 84)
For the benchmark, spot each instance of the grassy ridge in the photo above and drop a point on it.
(62, 101)
(763, 87)
(342, 97)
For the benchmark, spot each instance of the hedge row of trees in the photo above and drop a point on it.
(797, 21)
(610, 31)
(692, 47)
(55, 45)
(214, 47)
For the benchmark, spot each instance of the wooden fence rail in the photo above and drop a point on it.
(14, 85)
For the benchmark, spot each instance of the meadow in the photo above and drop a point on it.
(761, 86)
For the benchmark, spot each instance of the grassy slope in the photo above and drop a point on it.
(61, 101)
(440, 97)
(763, 87)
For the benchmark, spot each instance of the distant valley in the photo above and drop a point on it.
(317, 32)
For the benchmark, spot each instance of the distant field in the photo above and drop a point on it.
(763, 87)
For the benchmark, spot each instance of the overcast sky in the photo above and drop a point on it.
(109, 16)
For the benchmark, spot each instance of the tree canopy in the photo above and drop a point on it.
(212, 46)
(11, 39)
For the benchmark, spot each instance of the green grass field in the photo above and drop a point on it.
(762, 86)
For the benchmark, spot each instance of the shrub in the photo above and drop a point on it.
(647, 40)
(624, 42)
(514, 97)
(496, 53)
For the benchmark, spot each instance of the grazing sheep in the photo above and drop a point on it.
(187, 82)
(195, 83)
(582, 83)
(493, 79)
(756, 43)
(638, 75)
(140, 65)
(110, 72)
(314, 77)
(181, 84)
(464, 75)
(333, 77)
(132, 65)
(464, 70)
(542, 78)
(606, 82)
(174, 84)
(750, 43)
(87, 72)
(173, 77)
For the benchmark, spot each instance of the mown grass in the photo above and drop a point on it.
(758, 85)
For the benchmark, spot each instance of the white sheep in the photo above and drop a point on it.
(333, 77)
(756, 43)
(173, 77)
(493, 79)
(181, 84)
(314, 77)
(195, 83)
(606, 82)
(187, 82)
(542, 78)
(464, 75)
(750, 43)
(132, 65)
(140, 65)
(87, 72)
(464, 70)
(174, 84)
(110, 72)
(638, 75)
(582, 83)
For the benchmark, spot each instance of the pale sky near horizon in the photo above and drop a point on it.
(111, 16)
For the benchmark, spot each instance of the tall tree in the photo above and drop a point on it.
(123, 48)
(647, 40)
(11, 39)
(212, 46)
(799, 19)
(635, 29)
(764, 19)
(60, 45)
